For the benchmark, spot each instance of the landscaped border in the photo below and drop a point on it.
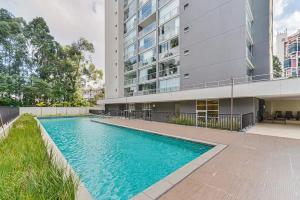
(161, 187)
(82, 192)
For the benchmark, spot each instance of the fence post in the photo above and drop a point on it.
(231, 106)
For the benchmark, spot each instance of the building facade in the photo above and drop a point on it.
(291, 62)
(280, 40)
(165, 46)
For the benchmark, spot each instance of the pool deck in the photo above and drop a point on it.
(252, 167)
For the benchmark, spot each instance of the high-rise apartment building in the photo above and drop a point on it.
(291, 51)
(160, 47)
(280, 40)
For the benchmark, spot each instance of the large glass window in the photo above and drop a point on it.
(148, 41)
(130, 10)
(162, 2)
(169, 67)
(147, 57)
(130, 64)
(147, 74)
(130, 51)
(147, 29)
(169, 11)
(130, 24)
(147, 9)
(130, 38)
(130, 91)
(130, 79)
(169, 85)
(169, 30)
(149, 88)
(169, 48)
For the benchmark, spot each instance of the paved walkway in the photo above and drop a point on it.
(252, 167)
(278, 130)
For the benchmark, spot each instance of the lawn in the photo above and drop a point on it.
(26, 170)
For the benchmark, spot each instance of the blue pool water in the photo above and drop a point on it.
(115, 162)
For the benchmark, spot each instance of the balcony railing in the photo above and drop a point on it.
(169, 53)
(169, 71)
(130, 81)
(147, 77)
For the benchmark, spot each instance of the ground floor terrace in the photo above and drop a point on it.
(209, 113)
(251, 167)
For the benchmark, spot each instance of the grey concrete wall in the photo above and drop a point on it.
(188, 106)
(240, 106)
(165, 107)
(46, 111)
(113, 49)
(216, 40)
(262, 36)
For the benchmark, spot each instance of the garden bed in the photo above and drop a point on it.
(26, 170)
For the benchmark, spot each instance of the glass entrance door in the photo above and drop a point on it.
(202, 118)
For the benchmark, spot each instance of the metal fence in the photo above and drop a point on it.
(247, 120)
(7, 114)
(222, 121)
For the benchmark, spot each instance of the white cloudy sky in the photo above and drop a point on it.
(71, 19)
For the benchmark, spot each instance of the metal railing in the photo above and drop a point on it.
(227, 82)
(234, 122)
(247, 120)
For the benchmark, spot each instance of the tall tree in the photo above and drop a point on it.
(277, 67)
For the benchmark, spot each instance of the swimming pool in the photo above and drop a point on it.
(115, 162)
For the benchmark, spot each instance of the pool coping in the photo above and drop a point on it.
(164, 185)
(82, 191)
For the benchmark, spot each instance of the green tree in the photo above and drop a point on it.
(277, 67)
(13, 57)
(36, 69)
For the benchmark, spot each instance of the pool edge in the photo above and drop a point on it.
(164, 185)
(82, 191)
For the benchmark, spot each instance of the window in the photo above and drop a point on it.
(130, 91)
(148, 41)
(147, 74)
(147, 29)
(149, 88)
(131, 10)
(186, 75)
(130, 51)
(130, 64)
(130, 79)
(186, 52)
(130, 38)
(169, 48)
(147, 57)
(168, 30)
(130, 24)
(169, 85)
(169, 67)
(169, 11)
(147, 9)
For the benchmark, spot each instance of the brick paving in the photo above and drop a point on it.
(252, 167)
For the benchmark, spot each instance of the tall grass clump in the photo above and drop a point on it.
(26, 170)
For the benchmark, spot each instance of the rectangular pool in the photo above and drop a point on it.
(115, 162)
